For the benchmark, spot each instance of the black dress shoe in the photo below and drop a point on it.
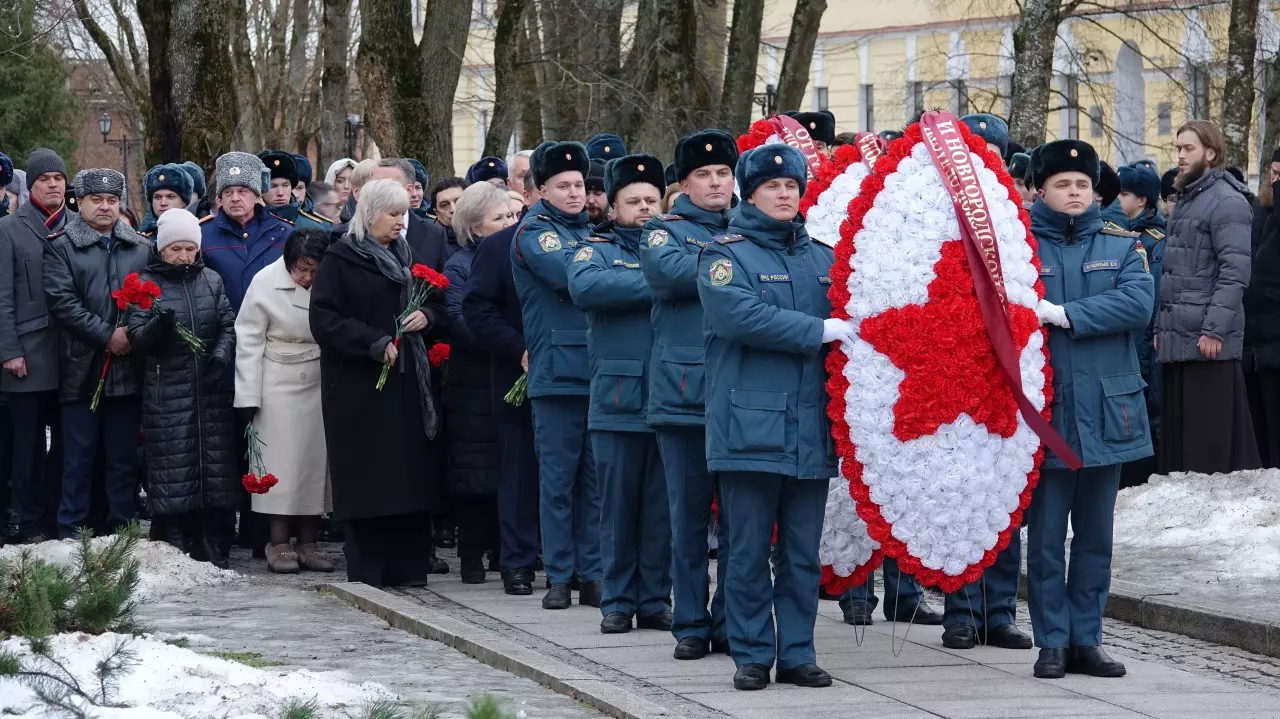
(472, 571)
(720, 646)
(961, 636)
(591, 594)
(1052, 664)
(922, 614)
(557, 597)
(857, 614)
(751, 677)
(615, 623)
(436, 565)
(691, 648)
(517, 582)
(1094, 662)
(805, 675)
(1007, 636)
(660, 621)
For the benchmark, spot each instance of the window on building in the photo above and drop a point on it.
(1071, 91)
(960, 97)
(1198, 92)
(820, 98)
(868, 104)
(1095, 121)
(1164, 116)
(915, 98)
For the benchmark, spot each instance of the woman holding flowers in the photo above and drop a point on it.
(186, 343)
(372, 307)
(278, 391)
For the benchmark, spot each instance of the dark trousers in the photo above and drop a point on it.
(635, 524)
(569, 493)
(902, 592)
(690, 490)
(114, 429)
(1206, 425)
(477, 518)
(388, 551)
(204, 534)
(754, 504)
(1263, 387)
(37, 466)
(1066, 603)
(991, 601)
(517, 496)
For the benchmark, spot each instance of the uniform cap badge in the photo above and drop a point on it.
(982, 125)
(606, 148)
(777, 159)
(276, 163)
(813, 126)
(708, 147)
(1075, 153)
(160, 178)
(490, 164)
(233, 171)
(568, 156)
(639, 168)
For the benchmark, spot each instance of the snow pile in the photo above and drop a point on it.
(164, 568)
(1226, 525)
(169, 682)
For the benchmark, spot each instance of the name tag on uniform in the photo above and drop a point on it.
(775, 278)
(699, 243)
(1047, 271)
(1101, 265)
(628, 265)
(824, 279)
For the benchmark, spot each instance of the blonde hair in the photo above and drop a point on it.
(669, 198)
(470, 209)
(376, 199)
(362, 172)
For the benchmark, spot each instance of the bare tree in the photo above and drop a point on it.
(794, 76)
(1237, 94)
(1034, 38)
(740, 66)
(506, 59)
(334, 36)
(202, 73)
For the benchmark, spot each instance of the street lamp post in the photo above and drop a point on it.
(766, 100)
(104, 126)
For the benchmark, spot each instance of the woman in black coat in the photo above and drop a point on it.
(471, 482)
(188, 425)
(381, 443)
(1262, 335)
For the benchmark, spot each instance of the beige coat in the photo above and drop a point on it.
(278, 371)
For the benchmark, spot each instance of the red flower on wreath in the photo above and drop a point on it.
(760, 131)
(438, 354)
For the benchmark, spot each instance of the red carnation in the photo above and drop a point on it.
(420, 271)
(438, 354)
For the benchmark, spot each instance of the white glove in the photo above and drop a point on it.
(836, 329)
(1051, 314)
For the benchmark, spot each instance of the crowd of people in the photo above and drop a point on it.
(583, 362)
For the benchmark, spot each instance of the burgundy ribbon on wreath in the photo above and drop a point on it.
(951, 157)
(872, 146)
(795, 135)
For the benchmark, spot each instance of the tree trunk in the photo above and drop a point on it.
(1033, 40)
(562, 32)
(640, 68)
(506, 92)
(1237, 94)
(245, 85)
(164, 141)
(201, 69)
(295, 113)
(1269, 98)
(444, 41)
(793, 79)
(530, 109)
(673, 110)
(736, 99)
(599, 55)
(712, 39)
(334, 35)
(389, 78)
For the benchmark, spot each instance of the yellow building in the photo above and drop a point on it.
(1124, 79)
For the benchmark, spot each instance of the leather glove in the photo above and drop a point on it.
(1051, 314)
(834, 330)
(244, 416)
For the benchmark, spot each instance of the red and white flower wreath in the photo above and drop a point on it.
(937, 459)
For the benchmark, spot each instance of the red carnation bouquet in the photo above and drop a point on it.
(425, 282)
(258, 480)
(133, 293)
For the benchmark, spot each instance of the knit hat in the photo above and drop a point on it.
(44, 160)
(167, 177)
(1167, 188)
(304, 168)
(1058, 156)
(487, 169)
(606, 146)
(990, 128)
(629, 170)
(1140, 181)
(6, 169)
(196, 173)
(594, 181)
(176, 224)
(238, 169)
(708, 147)
(98, 181)
(767, 162)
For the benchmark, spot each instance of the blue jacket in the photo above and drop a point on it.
(555, 330)
(1114, 214)
(491, 310)
(237, 253)
(605, 281)
(1150, 228)
(669, 257)
(764, 292)
(1100, 278)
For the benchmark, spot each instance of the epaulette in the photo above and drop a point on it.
(595, 238)
(147, 235)
(205, 219)
(57, 234)
(1156, 233)
(729, 239)
(1111, 228)
(664, 218)
(287, 222)
(313, 218)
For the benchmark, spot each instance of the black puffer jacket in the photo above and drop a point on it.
(472, 436)
(187, 422)
(1262, 300)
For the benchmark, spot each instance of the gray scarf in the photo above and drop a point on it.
(394, 261)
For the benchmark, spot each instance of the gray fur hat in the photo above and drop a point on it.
(239, 169)
(99, 181)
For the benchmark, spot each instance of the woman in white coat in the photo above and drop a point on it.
(278, 390)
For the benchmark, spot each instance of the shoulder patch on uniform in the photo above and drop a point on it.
(721, 272)
(664, 218)
(729, 239)
(584, 254)
(1155, 232)
(1111, 228)
(1142, 252)
(549, 241)
(205, 219)
(658, 238)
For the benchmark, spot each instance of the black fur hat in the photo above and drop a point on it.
(1167, 188)
(632, 169)
(595, 176)
(670, 175)
(167, 177)
(708, 147)
(1018, 164)
(767, 162)
(821, 124)
(552, 158)
(1051, 158)
(1108, 184)
(1013, 149)
(280, 164)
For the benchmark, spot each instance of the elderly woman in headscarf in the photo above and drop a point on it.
(381, 442)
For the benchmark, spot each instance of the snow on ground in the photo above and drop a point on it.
(170, 682)
(1226, 525)
(164, 568)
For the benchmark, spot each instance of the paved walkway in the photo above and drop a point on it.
(894, 674)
